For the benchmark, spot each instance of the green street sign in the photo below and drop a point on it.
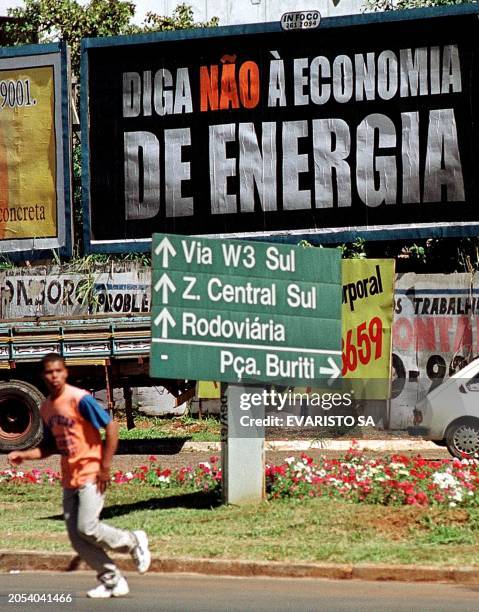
(238, 311)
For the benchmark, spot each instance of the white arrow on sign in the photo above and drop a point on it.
(165, 248)
(164, 319)
(333, 370)
(165, 285)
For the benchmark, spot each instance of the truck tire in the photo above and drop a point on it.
(20, 421)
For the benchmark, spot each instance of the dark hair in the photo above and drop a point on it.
(50, 358)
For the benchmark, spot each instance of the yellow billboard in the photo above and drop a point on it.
(367, 316)
(34, 126)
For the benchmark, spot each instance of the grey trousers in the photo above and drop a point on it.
(89, 536)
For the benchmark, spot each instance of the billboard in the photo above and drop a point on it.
(367, 320)
(364, 127)
(35, 197)
(436, 333)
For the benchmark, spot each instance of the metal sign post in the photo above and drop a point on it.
(244, 313)
(242, 457)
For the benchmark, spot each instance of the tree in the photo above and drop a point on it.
(69, 20)
(182, 19)
(395, 5)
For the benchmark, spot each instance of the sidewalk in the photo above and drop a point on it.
(170, 446)
(18, 561)
(391, 444)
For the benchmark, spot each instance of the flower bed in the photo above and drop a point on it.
(205, 476)
(35, 476)
(396, 480)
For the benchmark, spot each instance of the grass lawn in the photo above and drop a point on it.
(147, 428)
(193, 524)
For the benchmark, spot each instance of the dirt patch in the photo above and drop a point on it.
(454, 516)
(138, 424)
(396, 523)
(193, 428)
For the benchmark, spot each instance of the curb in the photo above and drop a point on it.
(18, 561)
(396, 444)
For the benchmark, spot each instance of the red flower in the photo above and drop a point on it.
(307, 458)
(422, 498)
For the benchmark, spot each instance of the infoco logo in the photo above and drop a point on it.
(301, 20)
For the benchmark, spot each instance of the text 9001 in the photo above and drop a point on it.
(15, 94)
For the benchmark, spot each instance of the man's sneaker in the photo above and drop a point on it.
(103, 592)
(141, 553)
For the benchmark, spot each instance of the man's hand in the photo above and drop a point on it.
(16, 458)
(103, 479)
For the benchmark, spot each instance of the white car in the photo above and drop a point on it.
(449, 414)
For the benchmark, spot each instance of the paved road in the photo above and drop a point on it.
(185, 593)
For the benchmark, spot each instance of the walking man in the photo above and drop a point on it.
(72, 419)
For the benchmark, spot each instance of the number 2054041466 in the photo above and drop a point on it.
(362, 344)
(39, 598)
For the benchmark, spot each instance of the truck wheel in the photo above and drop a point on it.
(462, 437)
(20, 421)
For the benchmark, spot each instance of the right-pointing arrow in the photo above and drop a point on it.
(165, 248)
(333, 370)
(164, 319)
(165, 284)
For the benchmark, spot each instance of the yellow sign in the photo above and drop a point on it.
(28, 173)
(207, 389)
(367, 316)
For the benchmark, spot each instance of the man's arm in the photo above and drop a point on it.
(109, 449)
(39, 452)
(95, 414)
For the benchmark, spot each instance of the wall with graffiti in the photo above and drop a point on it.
(63, 291)
(435, 333)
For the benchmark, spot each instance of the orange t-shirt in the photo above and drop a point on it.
(73, 420)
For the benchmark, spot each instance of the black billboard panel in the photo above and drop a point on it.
(365, 126)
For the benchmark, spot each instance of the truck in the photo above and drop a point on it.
(104, 340)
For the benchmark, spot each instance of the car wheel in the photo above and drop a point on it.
(462, 437)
